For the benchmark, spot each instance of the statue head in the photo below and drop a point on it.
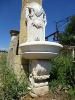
(36, 7)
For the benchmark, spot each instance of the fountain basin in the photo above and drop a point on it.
(39, 49)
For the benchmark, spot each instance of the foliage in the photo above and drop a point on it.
(63, 73)
(10, 88)
(70, 28)
(68, 36)
(71, 93)
(66, 39)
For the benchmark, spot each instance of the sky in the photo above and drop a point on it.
(10, 12)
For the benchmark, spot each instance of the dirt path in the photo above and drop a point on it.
(49, 96)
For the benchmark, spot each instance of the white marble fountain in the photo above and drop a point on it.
(37, 50)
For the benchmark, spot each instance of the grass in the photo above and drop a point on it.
(10, 88)
(63, 74)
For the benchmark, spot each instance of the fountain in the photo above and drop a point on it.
(37, 50)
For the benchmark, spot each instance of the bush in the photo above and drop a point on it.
(62, 73)
(10, 88)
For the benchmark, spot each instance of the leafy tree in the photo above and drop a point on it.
(70, 28)
(68, 36)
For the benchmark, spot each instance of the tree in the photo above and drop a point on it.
(68, 36)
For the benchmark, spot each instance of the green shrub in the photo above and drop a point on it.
(10, 87)
(71, 93)
(62, 73)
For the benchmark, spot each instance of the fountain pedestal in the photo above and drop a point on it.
(37, 50)
(38, 77)
(39, 54)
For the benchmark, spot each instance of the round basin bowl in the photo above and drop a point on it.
(39, 49)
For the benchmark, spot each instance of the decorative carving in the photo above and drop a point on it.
(36, 21)
(35, 12)
(39, 72)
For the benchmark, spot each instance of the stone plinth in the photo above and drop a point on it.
(13, 49)
(14, 59)
(39, 74)
(39, 91)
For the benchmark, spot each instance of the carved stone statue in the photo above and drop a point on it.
(35, 21)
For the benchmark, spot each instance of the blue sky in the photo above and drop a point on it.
(10, 11)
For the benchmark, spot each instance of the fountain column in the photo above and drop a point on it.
(35, 48)
(35, 22)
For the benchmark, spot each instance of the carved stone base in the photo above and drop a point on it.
(39, 91)
(39, 73)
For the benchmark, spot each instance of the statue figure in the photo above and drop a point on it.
(36, 22)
